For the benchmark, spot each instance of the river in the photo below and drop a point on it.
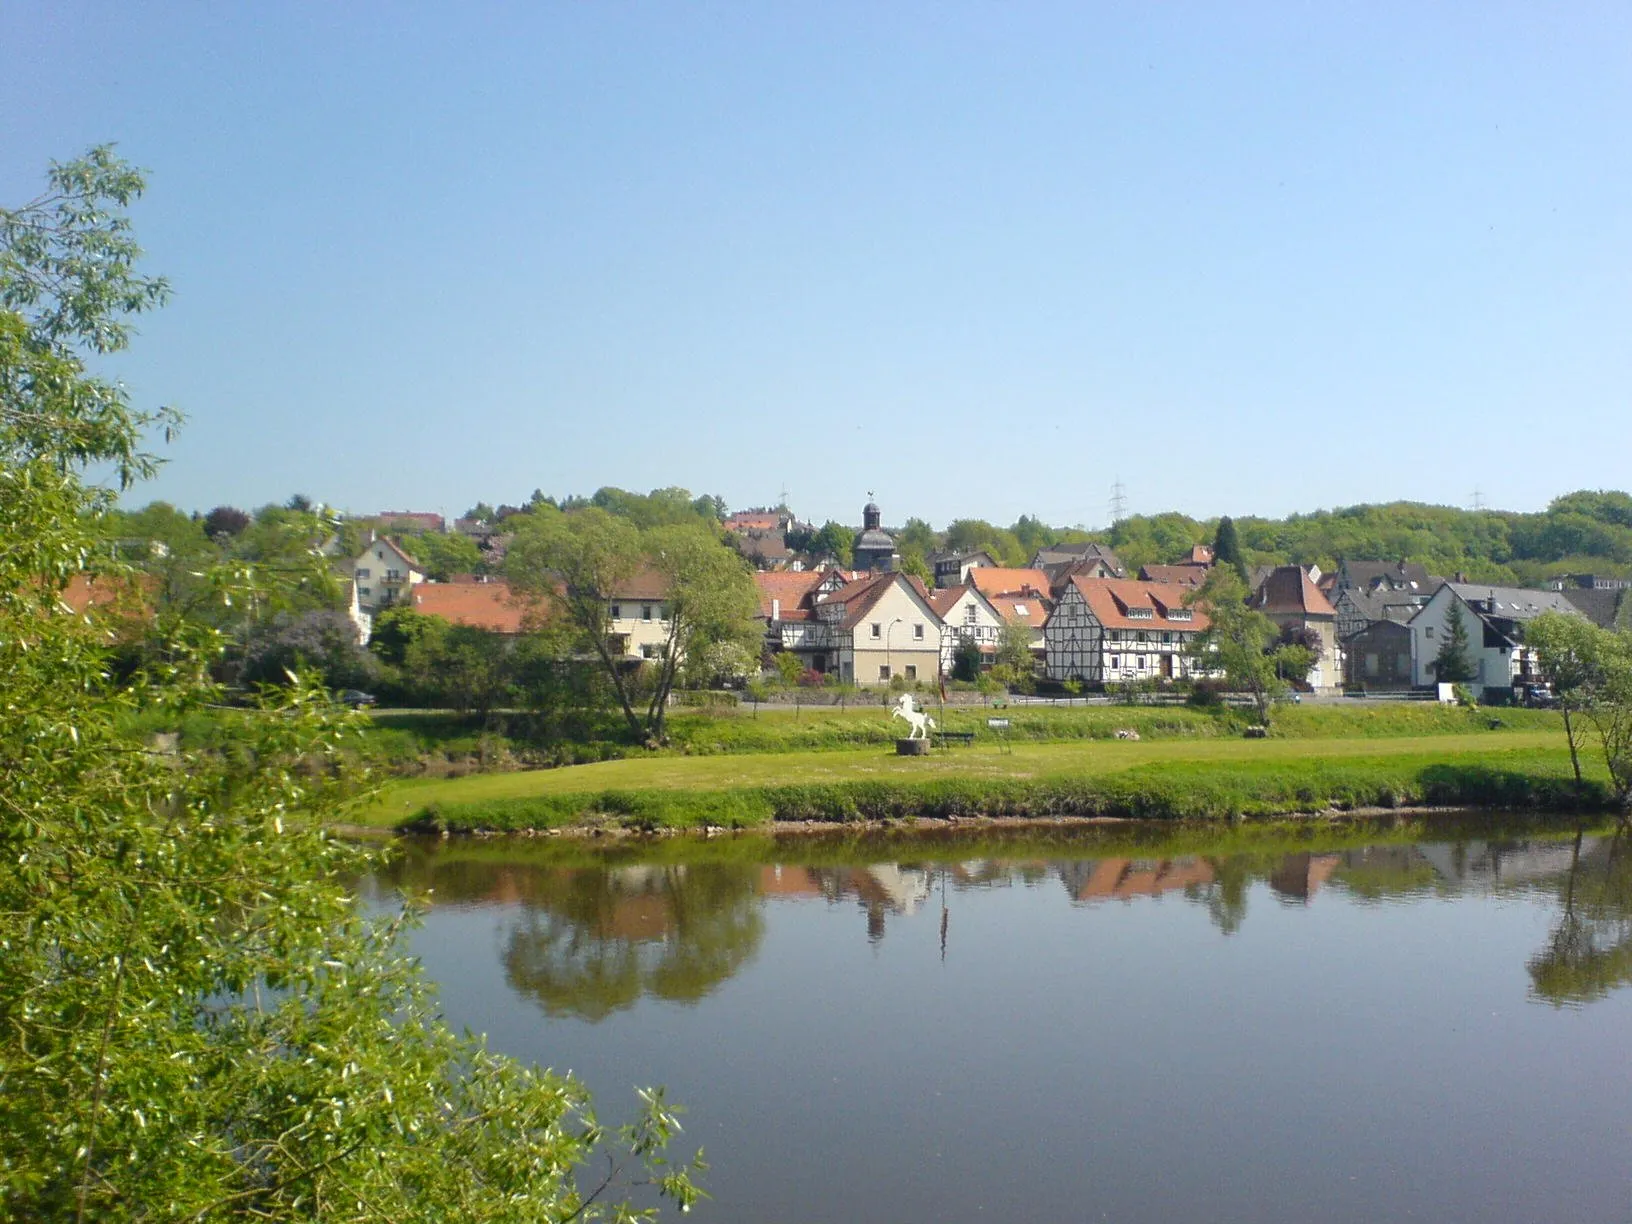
(1284, 1024)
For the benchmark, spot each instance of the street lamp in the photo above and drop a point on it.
(889, 629)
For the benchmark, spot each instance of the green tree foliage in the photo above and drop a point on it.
(968, 535)
(966, 659)
(1453, 665)
(196, 1019)
(832, 540)
(1591, 668)
(1014, 649)
(915, 565)
(1033, 534)
(577, 563)
(919, 535)
(1227, 547)
(225, 521)
(1239, 641)
(444, 554)
(788, 669)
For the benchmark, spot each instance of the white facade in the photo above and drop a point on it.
(970, 616)
(639, 627)
(384, 575)
(1493, 618)
(1133, 637)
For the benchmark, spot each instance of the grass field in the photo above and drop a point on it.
(1173, 776)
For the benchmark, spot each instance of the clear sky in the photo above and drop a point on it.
(983, 259)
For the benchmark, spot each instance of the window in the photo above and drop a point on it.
(1179, 614)
(878, 631)
(912, 672)
(883, 671)
(918, 635)
(970, 614)
(617, 612)
(364, 591)
(1427, 631)
(1167, 637)
(1140, 636)
(1139, 661)
(362, 573)
(1021, 610)
(645, 611)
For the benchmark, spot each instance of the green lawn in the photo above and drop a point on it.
(1078, 758)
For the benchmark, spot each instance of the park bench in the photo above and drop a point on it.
(965, 738)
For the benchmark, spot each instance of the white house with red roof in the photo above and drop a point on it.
(966, 615)
(385, 573)
(864, 630)
(1120, 630)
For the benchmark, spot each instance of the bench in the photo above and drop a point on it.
(965, 738)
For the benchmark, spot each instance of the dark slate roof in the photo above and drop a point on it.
(1597, 606)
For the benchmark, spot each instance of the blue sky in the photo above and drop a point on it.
(982, 259)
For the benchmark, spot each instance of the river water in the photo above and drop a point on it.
(1331, 1024)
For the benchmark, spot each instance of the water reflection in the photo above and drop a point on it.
(1589, 954)
(590, 939)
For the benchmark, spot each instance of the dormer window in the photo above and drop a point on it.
(1180, 614)
(1021, 610)
(1141, 614)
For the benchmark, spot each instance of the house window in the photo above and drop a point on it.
(1021, 610)
(878, 631)
(970, 614)
(1427, 631)
(918, 633)
(365, 591)
(883, 671)
(649, 651)
(645, 611)
(912, 672)
(1139, 661)
(1167, 637)
(617, 612)
(1116, 660)
(362, 573)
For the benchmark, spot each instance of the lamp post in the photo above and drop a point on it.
(888, 630)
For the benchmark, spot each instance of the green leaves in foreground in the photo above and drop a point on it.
(197, 1021)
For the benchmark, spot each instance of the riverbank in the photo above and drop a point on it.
(1178, 779)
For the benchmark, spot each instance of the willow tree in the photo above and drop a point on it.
(196, 1021)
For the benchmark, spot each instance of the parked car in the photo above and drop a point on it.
(357, 699)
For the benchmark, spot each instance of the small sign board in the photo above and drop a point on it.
(998, 724)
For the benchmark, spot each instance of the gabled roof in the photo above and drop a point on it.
(1408, 574)
(481, 605)
(946, 598)
(1029, 610)
(992, 580)
(396, 546)
(1056, 554)
(1183, 575)
(643, 584)
(1289, 591)
(788, 590)
(1510, 603)
(1598, 606)
(1114, 600)
(859, 598)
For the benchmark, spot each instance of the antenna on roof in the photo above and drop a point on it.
(1119, 503)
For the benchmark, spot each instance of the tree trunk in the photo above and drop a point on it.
(617, 685)
(1575, 758)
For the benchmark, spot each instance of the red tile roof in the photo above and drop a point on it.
(1110, 599)
(1287, 591)
(944, 599)
(481, 605)
(790, 590)
(1009, 607)
(995, 581)
(1185, 574)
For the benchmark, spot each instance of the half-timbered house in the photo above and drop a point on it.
(967, 616)
(1118, 630)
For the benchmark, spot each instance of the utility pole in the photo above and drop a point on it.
(1119, 502)
(1478, 500)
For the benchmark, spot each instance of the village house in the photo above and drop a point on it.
(638, 619)
(1119, 630)
(1085, 560)
(1365, 592)
(1494, 618)
(864, 631)
(951, 569)
(385, 573)
(967, 616)
(1377, 658)
(1289, 597)
(410, 521)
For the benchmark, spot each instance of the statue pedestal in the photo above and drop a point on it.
(912, 747)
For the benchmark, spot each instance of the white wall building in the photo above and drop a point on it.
(1494, 618)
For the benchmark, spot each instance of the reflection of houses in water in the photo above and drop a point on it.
(1463, 864)
(1120, 879)
(1298, 877)
(881, 888)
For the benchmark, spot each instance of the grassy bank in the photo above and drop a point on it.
(442, 744)
(1164, 780)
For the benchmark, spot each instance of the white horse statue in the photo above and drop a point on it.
(916, 719)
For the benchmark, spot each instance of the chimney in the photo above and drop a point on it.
(1459, 577)
(776, 609)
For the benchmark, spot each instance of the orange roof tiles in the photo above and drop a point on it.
(1028, 610)
(995, 581)
(1288, 591)
(1111, 600)
(786, 590)
(481, 605)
